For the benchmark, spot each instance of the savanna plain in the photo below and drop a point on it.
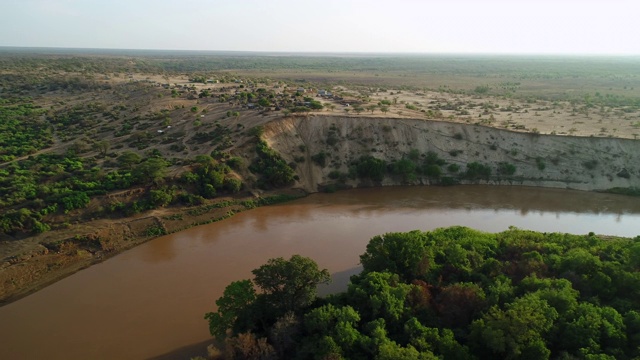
(103, 150)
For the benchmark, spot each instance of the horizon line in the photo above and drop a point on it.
(286, 52)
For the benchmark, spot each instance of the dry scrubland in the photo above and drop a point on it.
(106, 151)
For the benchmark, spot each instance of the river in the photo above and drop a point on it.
(149, 302)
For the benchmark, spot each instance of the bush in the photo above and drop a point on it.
(235, 162)
(337, 175)
(476, 170)
(160, 197)
(274, 170)
(155, 230)
(591, 164)
(75, 200)
(370, 167)
(320, 159)
(257, 131)
(404, 168)
(232, 185)
(506, 168)
(433, 171)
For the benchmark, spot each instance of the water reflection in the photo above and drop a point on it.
(150, 300)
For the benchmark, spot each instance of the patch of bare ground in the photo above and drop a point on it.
(165, 113)
(33, 263)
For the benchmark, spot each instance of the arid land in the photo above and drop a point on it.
(568, 123)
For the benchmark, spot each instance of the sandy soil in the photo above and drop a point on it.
(31, 263)
(537, 116)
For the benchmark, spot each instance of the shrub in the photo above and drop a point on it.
(405, 168)
(433, 171)
(232, 185)
(274, 170)
(370, 167)
(337, 175)
(235, 162)
(505, 168)
(155, 230)
(320, 159)
(476, 170)
(591, 164)
(257, 131)
(160, 197)
(332, 139)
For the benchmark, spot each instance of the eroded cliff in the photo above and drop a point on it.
(515, 158)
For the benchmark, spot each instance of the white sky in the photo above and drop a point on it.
(427, 26)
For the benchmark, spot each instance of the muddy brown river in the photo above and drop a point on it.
(149, 302)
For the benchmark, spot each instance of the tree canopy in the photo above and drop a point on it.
(452, 293)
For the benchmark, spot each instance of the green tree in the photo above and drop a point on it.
(594, 330)
(102, 147)
(275, 171)
(476, 170)
(405, 254)
(406, 169)
(438, 341)
(128, 159)
(235, 301)
(264, 102)
(372, 168)
(74, 200)
(160, 197)
(518, 331)
(380, 295)
(150, 171)
(290, 285)
(339, 323)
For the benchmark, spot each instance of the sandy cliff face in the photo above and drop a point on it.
(584, 163)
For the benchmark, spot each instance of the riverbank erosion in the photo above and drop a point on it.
(31, 264)
(326, 149)
(327, 153)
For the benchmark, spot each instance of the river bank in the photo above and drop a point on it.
(514, 158)
(54, 255)
(129, 306)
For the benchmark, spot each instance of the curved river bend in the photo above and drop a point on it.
(149, 302)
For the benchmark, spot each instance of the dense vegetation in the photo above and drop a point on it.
(452, 293)
(274, 170)
(410, 167)
(50, 184)
(22, 131)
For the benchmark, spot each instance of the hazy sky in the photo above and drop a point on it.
(427, 26)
